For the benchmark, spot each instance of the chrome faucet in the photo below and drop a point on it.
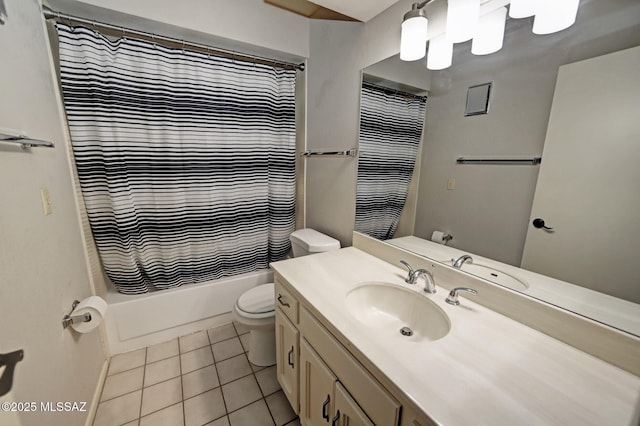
(412, 278)
(464, 258)
(452, 299)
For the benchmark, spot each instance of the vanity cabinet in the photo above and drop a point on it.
(317, 387)
(287, 358)
(347, 411)
(323, 399)
(323, 381)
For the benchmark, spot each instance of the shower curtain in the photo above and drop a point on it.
(185, 159)
(390, 132)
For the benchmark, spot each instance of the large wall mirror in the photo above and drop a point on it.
(569, 98)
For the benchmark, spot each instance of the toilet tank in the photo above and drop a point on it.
(308, 241)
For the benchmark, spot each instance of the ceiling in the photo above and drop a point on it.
(351, 10)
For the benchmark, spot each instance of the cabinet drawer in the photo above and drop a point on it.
(286, 302)
(379, 405)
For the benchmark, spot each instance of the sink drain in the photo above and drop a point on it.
(406, 331)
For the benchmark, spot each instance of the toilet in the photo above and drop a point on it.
(255, 308)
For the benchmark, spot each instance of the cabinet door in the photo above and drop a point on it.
(317, 384)
(347, 412)
(287, 357)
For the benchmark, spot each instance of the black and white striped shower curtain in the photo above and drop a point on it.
(390, 132)
(186, 160)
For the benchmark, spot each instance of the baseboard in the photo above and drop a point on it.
(93, 407)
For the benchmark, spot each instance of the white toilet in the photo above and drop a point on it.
(255, 308)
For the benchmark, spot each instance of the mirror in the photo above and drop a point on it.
(390, 132)
(488, 208)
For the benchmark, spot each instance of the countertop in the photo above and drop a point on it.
(488, 369)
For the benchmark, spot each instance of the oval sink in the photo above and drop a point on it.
(393, 311)
(495, 276)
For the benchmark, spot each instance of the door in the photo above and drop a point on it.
(317, 387)
(347, 412)
(588, 188)
(287, 356)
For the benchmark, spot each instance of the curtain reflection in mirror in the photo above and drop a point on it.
(391, 125)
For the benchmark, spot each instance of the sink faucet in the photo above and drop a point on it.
(464, 258)
(412, 278)
(452, 299)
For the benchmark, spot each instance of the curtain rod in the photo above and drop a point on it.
(58, 16)
(392, 90)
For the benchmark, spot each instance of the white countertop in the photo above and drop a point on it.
(488, 370)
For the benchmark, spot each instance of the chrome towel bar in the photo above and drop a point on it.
(353, 152)
(507, 161)
(23, 140)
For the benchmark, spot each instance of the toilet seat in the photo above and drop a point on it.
(257, 303)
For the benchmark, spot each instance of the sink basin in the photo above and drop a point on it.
(393, 311)
(494, 275)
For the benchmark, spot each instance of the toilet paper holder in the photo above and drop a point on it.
(69, 319)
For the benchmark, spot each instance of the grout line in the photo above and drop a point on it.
(224, 401)
(143, 383)
(184, 412)
(144, 373)
(260, 389)
(160, 409)
(164, 343)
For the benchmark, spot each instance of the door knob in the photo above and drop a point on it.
(539, 223)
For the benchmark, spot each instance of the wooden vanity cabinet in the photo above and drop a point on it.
(287, 344)
(287, 358)
(323, 399)
(347, 412)
(317, 387)
(323, 381)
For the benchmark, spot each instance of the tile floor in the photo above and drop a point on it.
(203, 378)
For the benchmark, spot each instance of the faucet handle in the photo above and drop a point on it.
(406, 265)
(452, 299)
(411, 278)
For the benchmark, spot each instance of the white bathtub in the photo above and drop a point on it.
(133, 322)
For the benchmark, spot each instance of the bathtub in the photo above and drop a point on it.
(134, 322)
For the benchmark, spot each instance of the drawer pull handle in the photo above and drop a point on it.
(325, 411)
(334, 422)
(289, 356)
(283, 303)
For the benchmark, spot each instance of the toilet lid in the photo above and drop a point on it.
(258, 300)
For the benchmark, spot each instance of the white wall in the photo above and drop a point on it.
(42, 263)
(250, 26)
(338, 52)
(488, 211)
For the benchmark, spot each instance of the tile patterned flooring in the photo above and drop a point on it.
(203, 378)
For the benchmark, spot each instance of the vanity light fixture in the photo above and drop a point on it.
(490, 33)
(413, 39)
(522, 8)
(553, 15)
(462, 19)
(481, 20)
(440, 53)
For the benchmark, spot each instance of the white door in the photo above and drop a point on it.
(588, 188)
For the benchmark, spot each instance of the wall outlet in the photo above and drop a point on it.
(451, 184)
(46, 201)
